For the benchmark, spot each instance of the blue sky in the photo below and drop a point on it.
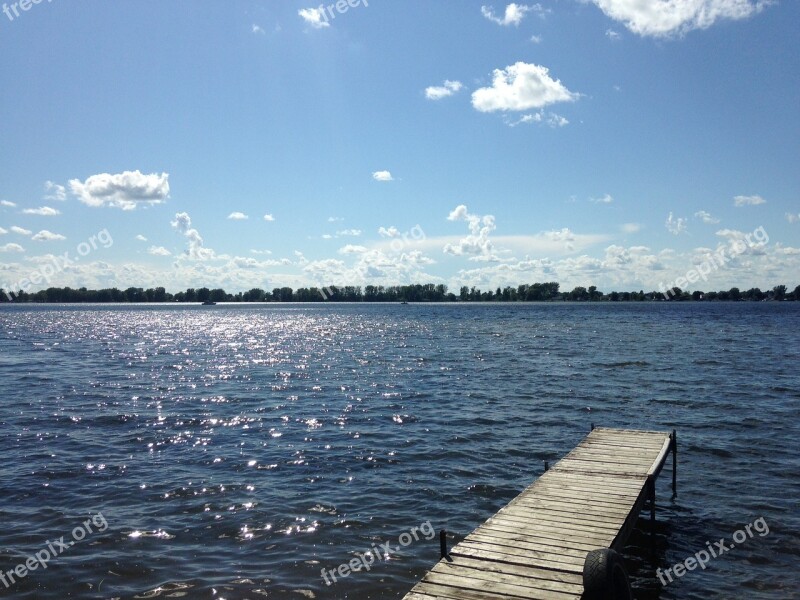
(263, 144)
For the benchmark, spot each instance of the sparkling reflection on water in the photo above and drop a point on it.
(237, 451)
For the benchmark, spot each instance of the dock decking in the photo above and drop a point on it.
(536, 545)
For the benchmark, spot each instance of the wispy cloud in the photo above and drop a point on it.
(54, 191)
(513, 15)
(748, 200)
(706, 217)
(141, 238)
(44, 211)
(315, 17)
(604, 199)
(8, 203)
(674, 225)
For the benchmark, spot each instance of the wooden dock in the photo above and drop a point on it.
(535, 546)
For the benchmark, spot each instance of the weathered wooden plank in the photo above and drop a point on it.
(535, 546)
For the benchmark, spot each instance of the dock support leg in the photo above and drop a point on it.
(546, 466)
(443, 543)
(651, 483)
(674, 464)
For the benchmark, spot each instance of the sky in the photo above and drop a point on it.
(618, 143)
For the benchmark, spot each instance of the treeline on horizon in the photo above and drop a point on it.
(537, 292)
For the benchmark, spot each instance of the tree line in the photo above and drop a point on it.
(537, 292)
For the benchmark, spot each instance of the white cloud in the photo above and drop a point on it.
(513, 15)
(196, 251)
(315, 17)
(631, 227)
(335, 219)
(327, 236)
(257, 29)
(48, 236)
(20, 230)
(349, 232)
(158, 251)
(44, 211)
(536, 39)
(12, 248)
(613, 35)
(443, 91)
(748, 200)
(352, 249)
(664, 18)
(127, 190)
(793, 218)
(706, 217)
(382, 176)
(477, 243)
(521, 86)
(604, 199)
(141, 238)
(5, 231)
(269, 217)
(55, 191)
(675, 226)
(391, 232)
(259, 252)
(238, 216)
(8, 203)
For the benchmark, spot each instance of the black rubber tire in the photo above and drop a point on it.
(604, 576)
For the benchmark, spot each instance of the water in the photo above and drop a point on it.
(234, 451)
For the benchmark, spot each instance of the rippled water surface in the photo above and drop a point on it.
(235, 452)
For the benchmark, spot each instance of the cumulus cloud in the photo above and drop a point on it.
(382, 176)
(48, 236)
(674, 225)
(8, 203)
(196, 251)
(665, 18)
(141, 238)
(127, 190)
(269, 217)
(4, 231)
(54, 191)
(315, 17)
(748, 200)
(443, 91)
(521, 86)
(238, 216)
(158, 251)
(706, 217)
(477, 244)
(513, 15)
(20, 230)
(12, 248)
(44, 211)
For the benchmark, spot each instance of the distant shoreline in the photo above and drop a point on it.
(417, 293)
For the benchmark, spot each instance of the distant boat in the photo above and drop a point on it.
(404, 302)
(209, 303)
